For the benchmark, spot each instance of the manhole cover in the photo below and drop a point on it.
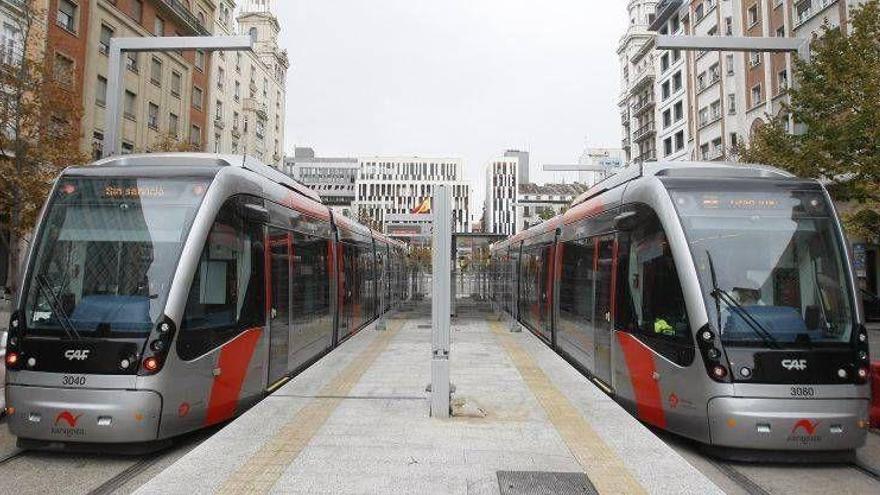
(543, 482)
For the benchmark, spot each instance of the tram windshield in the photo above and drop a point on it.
(106, 255)
(771, 264)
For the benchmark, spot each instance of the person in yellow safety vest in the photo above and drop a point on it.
(662, 327)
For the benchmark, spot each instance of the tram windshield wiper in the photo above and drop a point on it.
(720, 295)
(57, 308)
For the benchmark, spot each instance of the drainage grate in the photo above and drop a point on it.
(424, 326)
(544, 482)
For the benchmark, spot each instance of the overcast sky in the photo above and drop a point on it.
(456, 78)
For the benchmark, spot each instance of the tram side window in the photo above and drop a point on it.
(227, 293)
(649, 289)
(576, 281)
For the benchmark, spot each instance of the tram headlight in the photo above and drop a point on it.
(862, 373)
(719, 372)
(707, 335)
(157, 346)
(151, 364)
(12, 359)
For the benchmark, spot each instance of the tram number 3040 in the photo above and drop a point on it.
(76, 380)
(804, 392)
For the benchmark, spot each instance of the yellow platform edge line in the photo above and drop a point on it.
(603, 466)
(262, 470)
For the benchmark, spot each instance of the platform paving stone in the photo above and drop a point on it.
(522, 408)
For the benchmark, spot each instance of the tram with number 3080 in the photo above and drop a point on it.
(714, 301)
(168, 292)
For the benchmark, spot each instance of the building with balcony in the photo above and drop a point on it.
(248, 101)
(672, 113)
(636, 101)
(164, 93)
(397, 191)
(334, 179)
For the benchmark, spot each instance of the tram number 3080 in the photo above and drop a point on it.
(803, 392)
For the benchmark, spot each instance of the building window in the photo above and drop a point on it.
(756, 95)
(104, 41)
(200, 60)
(729, 63)
(219, 113)
(131, 61)
(734, 140)
(173, 124)
(753, 15)
(704, 151)
(156, 72)
(664, 62)
(217, 139)
(678, 111)
(781, 81)
(66, 17)
(130, 105)
(221, 77)
(197, 95)
(62, 69)
(238, 62)
(664, 91)
(253, 34)
(676, 81)
(101, 91)
(754, 59)
(97, 145)
(667, 119)
(176, 83)
(780, 32)
(679, 140)
(195, 135)
(667, 146)
(731, 103)
(159, 26)
(127, 147)
(237, 91)
(137, 10)
(728, 26)
(11, 52)
(153, 116)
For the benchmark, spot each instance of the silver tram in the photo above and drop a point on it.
(713, 301)
(165, 293)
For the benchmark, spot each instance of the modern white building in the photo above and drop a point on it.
(502, 184)
(333, 178)
(400, 187)
(248, 95)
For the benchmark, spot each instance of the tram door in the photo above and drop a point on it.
(281, 246)
(604, 264)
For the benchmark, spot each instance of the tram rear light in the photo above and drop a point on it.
(151, 364)
(11, 359)
(719, 372)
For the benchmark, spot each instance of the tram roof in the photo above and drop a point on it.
(206, 161)
(694, 170)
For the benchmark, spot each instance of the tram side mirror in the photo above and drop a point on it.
(255, 214)
(812, 316)
(626, 221)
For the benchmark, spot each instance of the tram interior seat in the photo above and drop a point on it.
(121, 313)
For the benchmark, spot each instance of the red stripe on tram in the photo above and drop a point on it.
(640, 364)
(234, 361)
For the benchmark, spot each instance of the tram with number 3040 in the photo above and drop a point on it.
(713, 301)
(164, 293)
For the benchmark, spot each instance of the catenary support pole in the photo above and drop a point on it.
(116, 70)
(440, 306)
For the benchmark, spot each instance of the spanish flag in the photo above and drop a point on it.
(423, 208)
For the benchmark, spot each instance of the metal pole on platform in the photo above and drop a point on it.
(440, 305)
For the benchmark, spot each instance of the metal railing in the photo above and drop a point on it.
(816, 6)
(180, 9)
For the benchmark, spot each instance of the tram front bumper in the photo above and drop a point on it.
(83, 415)
(788, 424)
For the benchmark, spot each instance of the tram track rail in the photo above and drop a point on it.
(739, 478)
(12, 456)
(122, 478)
